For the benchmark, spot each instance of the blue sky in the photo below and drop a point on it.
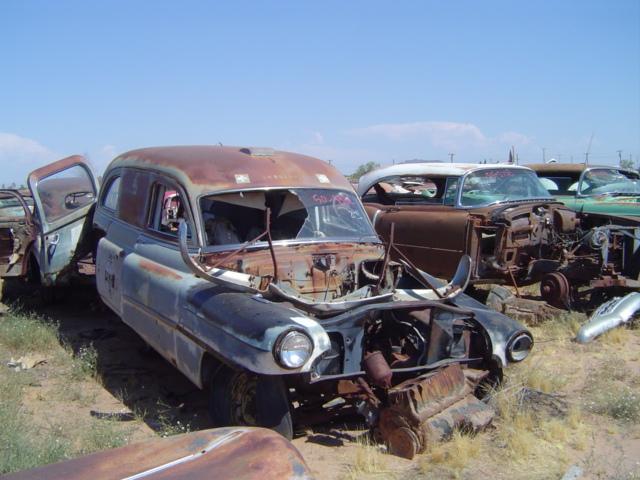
(347, 81)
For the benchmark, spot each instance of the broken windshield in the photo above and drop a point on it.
(296, 214)
(483, 187)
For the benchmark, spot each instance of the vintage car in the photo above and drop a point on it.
(40, 228)
(259, 276)
(220, 453)
(503, 217)
(591, 188)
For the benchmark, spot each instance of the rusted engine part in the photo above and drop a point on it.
(556, 290)
(531, 312)
(602, 256)
(429, 408)
(609, 315)
(221, 453)
(519, 244)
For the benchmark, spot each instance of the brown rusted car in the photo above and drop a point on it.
(501, 216)
(257, 273)
(45, 231)
(222, 453)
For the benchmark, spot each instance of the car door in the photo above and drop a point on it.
(433, 237)
(154, 273)
(64, 194)
(17, 233)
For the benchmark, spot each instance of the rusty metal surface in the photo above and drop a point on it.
(298, 266)
(531, 312)
(224, 453)
(560, 167)
(54, 167)
(429, 408)
(236, 303)
(17, 235)
(511, 242)
(208, 169)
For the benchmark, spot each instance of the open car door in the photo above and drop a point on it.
(64, 194)
(17, 233)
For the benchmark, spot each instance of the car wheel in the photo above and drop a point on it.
(234, 401)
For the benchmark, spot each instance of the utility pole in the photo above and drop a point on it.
(451, 157)
(586, 155)
(619, 157)
(544, 155)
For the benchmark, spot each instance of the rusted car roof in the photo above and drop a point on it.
(209, 168)
(425, 168)
(568, 167)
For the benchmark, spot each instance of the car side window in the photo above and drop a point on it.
(167, 210)
(451, 190)
(65, 191)
(110, 200)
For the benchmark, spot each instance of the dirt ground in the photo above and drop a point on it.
(138, 388)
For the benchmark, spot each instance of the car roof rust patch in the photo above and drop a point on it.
(210, 168)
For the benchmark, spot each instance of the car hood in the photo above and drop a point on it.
(628, 205)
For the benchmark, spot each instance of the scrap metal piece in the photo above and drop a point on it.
(609, 315)
(223, 453)
(555, 290)
(531, 312)
(429, 408)
(378, 369)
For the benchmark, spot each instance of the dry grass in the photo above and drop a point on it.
(451, 458)
(369, 461)
(27, 438)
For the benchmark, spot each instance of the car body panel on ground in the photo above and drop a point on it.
(223, 453)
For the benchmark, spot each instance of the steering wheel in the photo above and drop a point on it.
(341, 209)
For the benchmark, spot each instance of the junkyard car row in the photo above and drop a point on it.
(264, 278)
(515, 231)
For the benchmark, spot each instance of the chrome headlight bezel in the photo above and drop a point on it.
(519, 347)
(287, 355)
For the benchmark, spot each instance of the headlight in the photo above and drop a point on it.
(519, 347)
(293, 349)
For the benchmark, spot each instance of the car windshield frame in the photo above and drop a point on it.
(542, 194)
(369, 236)
(616, 171)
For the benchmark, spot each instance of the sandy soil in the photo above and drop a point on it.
(134, 379)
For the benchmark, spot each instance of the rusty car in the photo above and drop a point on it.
(259, 276)
(515, 231)
(221, 453)
(41, 228)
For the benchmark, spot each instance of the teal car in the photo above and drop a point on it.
(592, 189)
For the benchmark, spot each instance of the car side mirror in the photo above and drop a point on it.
(77, 199)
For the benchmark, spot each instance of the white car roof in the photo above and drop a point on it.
(426, 168)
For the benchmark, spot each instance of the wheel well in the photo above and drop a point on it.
(33, 268)
(209, 367)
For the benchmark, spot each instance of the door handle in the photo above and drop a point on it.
(53, 239)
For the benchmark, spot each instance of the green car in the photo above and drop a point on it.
(592, 189)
